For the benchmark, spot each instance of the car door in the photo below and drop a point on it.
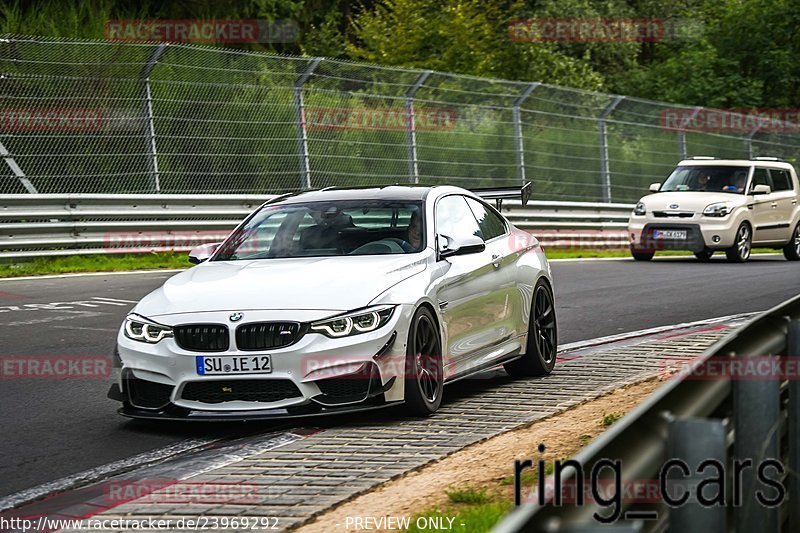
(468, 292)
(495, 233)
(764, 208)
(785, 200)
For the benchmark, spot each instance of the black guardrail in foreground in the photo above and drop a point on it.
(733, 415)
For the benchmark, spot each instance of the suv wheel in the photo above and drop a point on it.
(792, 250)
(740, 251)
(642, 255)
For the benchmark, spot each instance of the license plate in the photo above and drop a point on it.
(233, 364)
(669, 234)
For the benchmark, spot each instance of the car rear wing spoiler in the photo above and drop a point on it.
(500, 193)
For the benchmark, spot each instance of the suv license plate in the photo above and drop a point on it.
(234, 364)
(669, 234)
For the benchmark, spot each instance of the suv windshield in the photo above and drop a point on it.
(707, 179)
(321, 229)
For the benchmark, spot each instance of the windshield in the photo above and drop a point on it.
(321, 229)
(707, 179)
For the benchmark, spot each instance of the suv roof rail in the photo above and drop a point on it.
(764, 158)
(702, 157)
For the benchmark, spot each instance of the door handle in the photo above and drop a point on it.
(794, 202)
(773, 205)
(496, 260)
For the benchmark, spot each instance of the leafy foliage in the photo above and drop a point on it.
(724, 53)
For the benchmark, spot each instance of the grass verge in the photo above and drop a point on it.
(93, 263)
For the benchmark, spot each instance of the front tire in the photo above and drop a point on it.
(540, 352)
(742, 245)
(792, 250)
(424, 379)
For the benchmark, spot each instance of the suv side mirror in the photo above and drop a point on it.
(761, 189)
(203, 252)
(470, 244)
(654, 187)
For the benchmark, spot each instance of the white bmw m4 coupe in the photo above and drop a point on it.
(341, 300)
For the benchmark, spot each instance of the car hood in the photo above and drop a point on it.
(321, 283)
(689, 201)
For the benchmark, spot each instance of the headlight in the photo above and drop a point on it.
(640, 209)
(354, 323)
(141, 329)
(720, 209)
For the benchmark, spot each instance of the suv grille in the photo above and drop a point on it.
(202, 337)
(266, 335)
(246, 390)
(680, 214)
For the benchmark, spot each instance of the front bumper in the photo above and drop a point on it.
(316, 375)
(711, 234)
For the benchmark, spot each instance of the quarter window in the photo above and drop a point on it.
(491, 223)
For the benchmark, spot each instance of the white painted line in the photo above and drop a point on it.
(651, 331)
(100, 472)
(81, 274)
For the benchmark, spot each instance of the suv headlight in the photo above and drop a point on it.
(141, 329)
(362, 321)
(720, 209)
(640, 209)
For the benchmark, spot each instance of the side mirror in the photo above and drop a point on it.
(449, 246)
(654, 187)
(761, 189)
(203, 252)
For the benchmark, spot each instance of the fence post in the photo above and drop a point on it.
(517, 119)
(147, 111)
(756, 412)
(748, 140)
(793, 353)
(605, 171)
(694, 440)
(302, 132)
(411, 127)
(682, 132)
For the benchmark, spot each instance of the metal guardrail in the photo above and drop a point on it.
(730, 418)
(67, 224)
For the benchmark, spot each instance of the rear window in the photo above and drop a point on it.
(781, 180)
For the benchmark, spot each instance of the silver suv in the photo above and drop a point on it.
(729, 205)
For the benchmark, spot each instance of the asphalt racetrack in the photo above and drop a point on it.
(54, 428)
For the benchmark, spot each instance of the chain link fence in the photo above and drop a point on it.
(107, 117)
